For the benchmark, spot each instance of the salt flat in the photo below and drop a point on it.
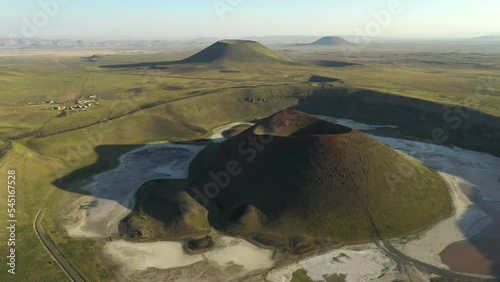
(112, 193)
(134, 257)
(357, 263)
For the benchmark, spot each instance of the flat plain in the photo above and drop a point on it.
(53, 152)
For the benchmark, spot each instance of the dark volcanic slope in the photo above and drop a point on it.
(236, 50)
(302, 176)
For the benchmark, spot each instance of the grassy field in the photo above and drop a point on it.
(33, 191)
(448, 73)
(427, 83)
(174, 103)
(65, 78)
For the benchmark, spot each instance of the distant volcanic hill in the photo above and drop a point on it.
(236, 50)
(294, 175)
(330, 41)
(242, 51)
(489, 37)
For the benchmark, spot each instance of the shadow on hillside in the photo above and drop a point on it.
(208, 63)
(320, 78)
(331, 64)
(155, 65)
(416, 118)
(108, 159)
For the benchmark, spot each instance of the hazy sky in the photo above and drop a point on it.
(166, 19)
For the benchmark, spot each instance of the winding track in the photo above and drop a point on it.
(52, 249)
(5, 148)
(389, 250)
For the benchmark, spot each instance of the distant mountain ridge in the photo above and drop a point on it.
(331, 41)
(11, 43)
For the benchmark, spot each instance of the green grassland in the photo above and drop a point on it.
(33, 191)
(42, 79)
(174, 103)
(430, 72)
